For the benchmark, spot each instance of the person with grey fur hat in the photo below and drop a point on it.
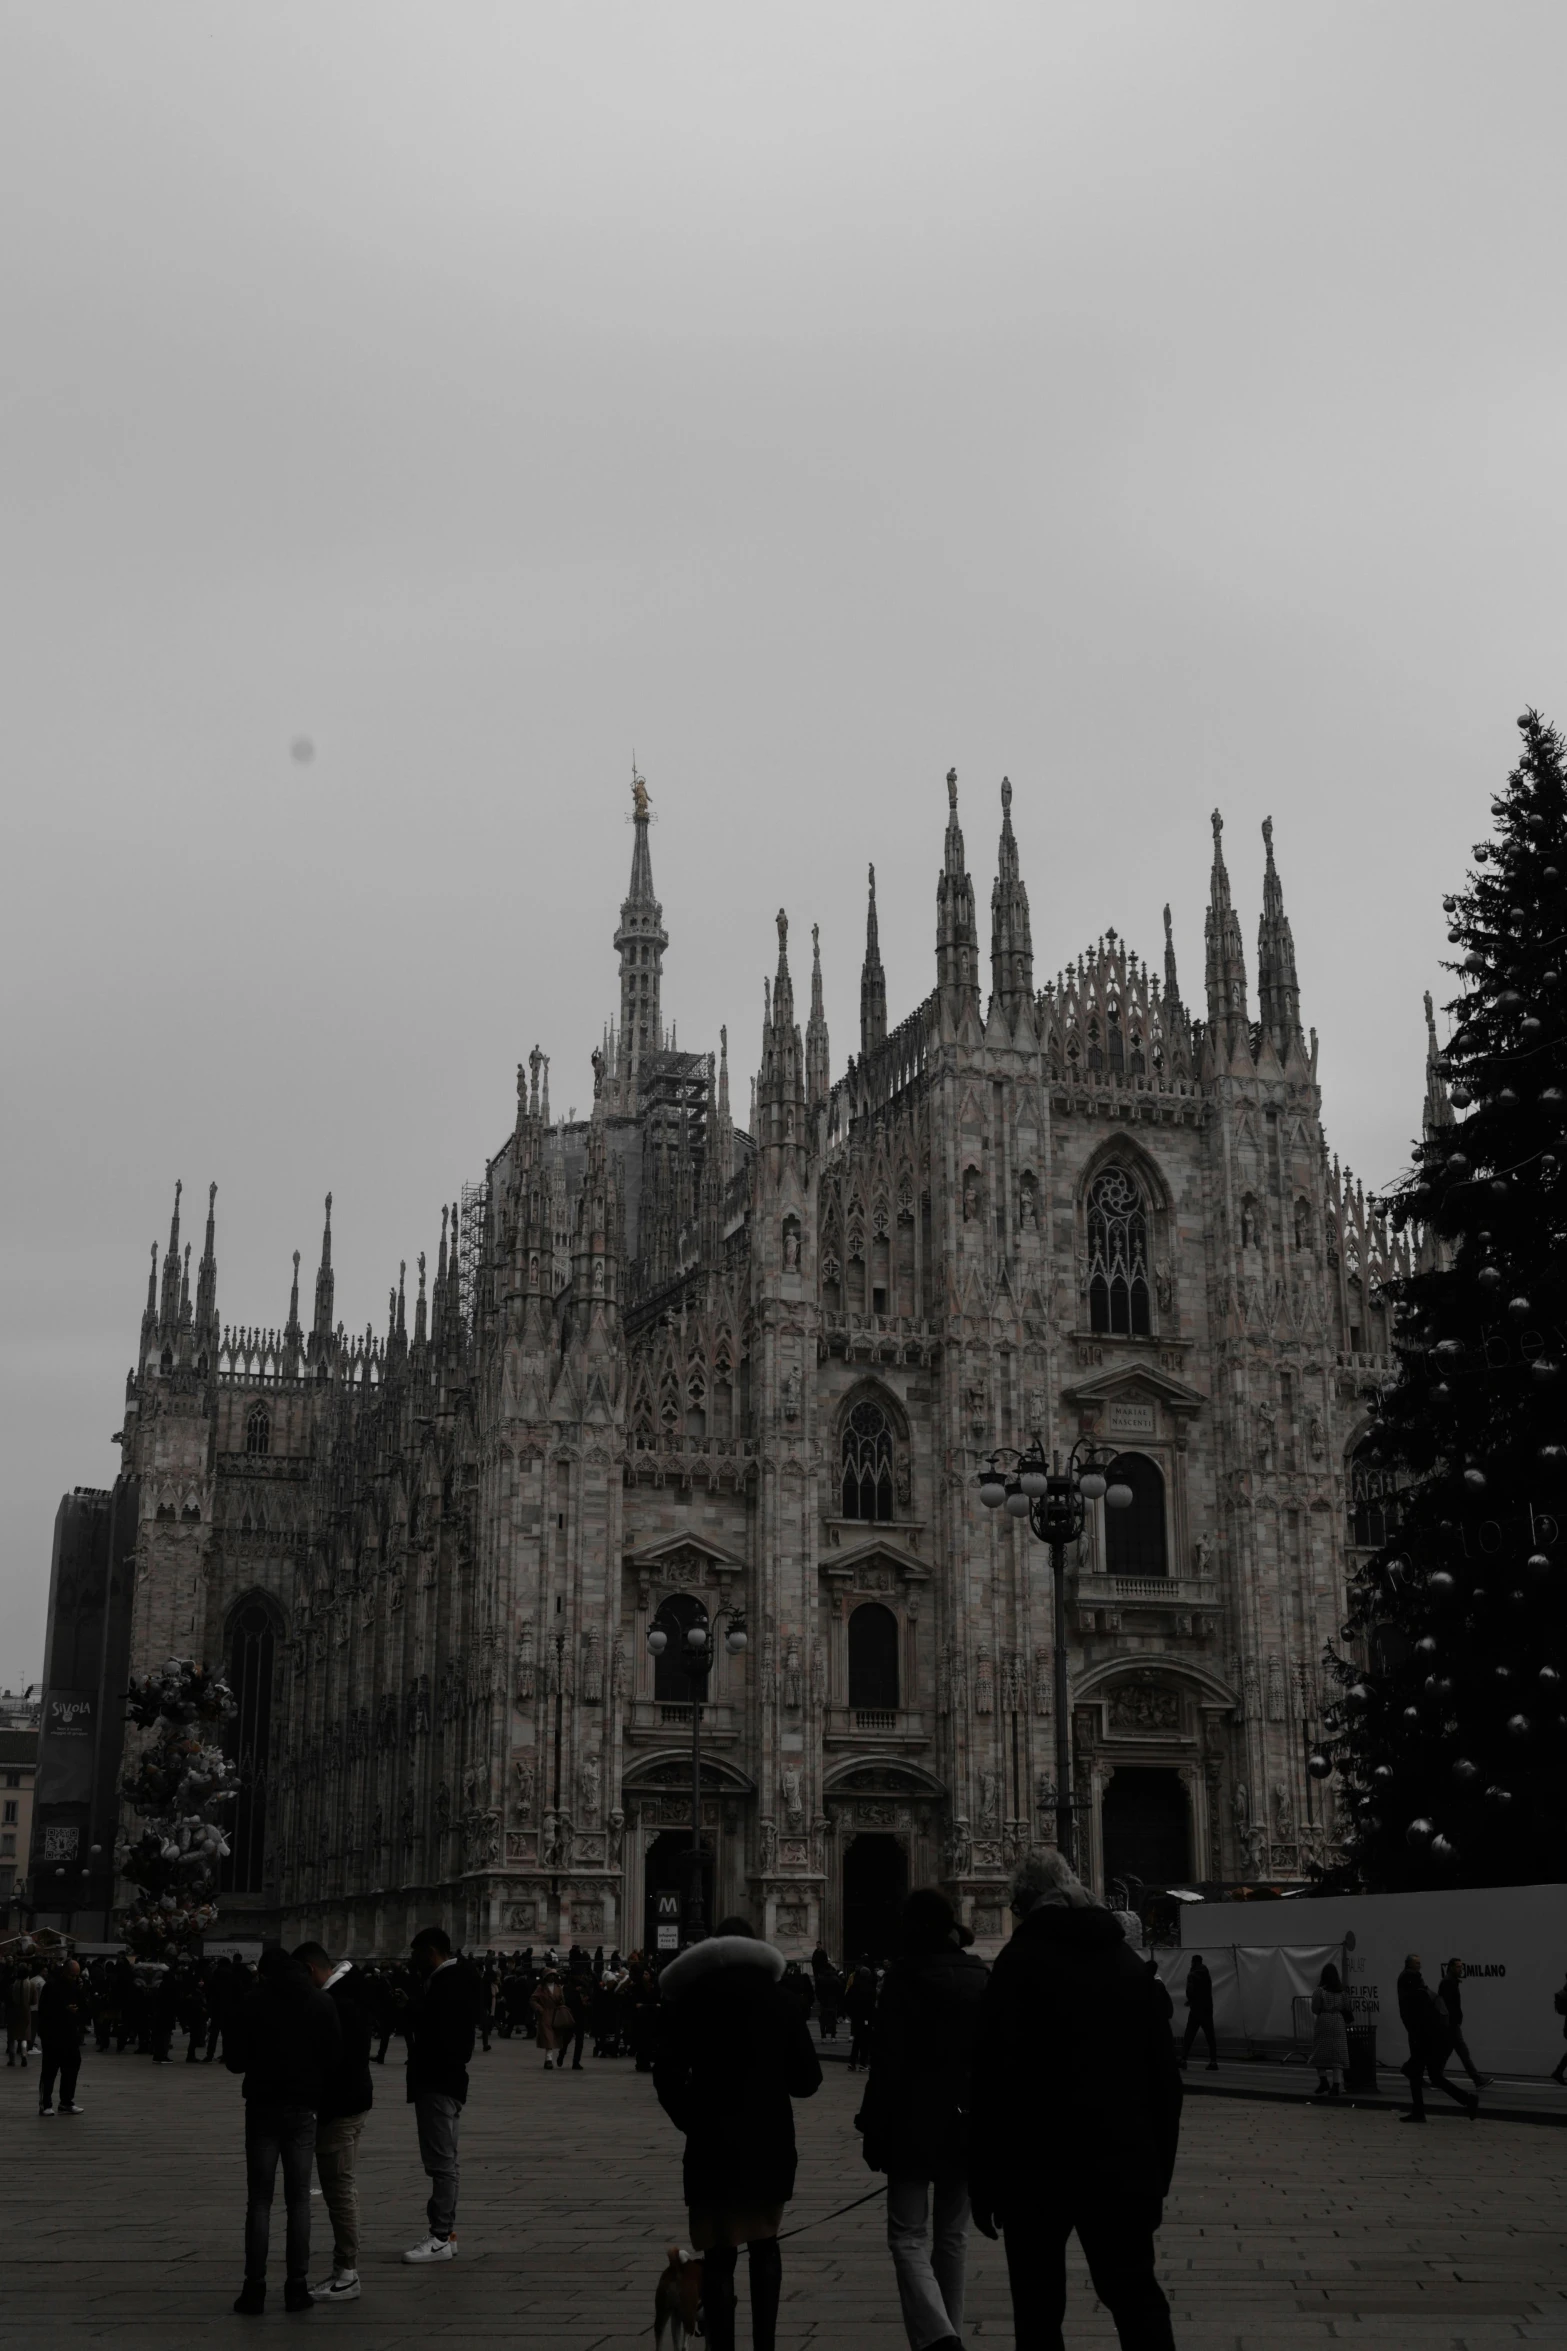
(733, 2052)
(1077, 2110)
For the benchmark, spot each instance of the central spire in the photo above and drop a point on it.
(640, 942)
(873, 982)
(957, 936)
(1011, 939)
(1227, 1014)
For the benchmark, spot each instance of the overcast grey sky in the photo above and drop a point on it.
(1162, 404)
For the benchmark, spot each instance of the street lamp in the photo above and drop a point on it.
(697, 1652)
(1052, 1499)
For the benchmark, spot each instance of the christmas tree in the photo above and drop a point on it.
(181, 1780)
(1454, 1736)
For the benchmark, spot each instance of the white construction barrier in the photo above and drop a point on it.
(1264, 1955)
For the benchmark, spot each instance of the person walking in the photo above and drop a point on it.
(1558, 2002)
(439, 2030)
(1199, 2011)
(20, 1998)
(345, 2101)
(915, 2115)
(859, 2004)
(1430, 2043)
(62, 2012)
(1330, 2039)
(734, 2052)
(285, 2039)
(1077, 2113)
(552, 2019)
(578, 1990)
(1449, 1992)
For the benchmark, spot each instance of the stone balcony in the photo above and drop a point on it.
(1193, 1604)
(661, 1721)
(875, 1729)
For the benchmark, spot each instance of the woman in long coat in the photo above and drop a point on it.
(554, 2020)
(733, 2052)
(1330, 2042)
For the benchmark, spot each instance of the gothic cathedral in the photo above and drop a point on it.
(672, 1370)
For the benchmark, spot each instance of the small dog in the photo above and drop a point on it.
(678, 2301)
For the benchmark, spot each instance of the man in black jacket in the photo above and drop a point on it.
(340, 2117)
(915, 2114)
(1430, 2043)
(62, 2013)
(439, 2031)
(1077, 2112)
(285, 2039)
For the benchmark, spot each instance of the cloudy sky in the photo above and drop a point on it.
(1160, 404)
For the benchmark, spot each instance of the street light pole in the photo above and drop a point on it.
(698, 1653)
(1053, 1500)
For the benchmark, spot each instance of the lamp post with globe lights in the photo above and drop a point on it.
(697, 1647)
(1031, 1485)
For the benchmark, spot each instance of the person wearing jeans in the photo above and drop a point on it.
(346, 2100)
(914, 2115)
(285, 2039)
(440, 2031)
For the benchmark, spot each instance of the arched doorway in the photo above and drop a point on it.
(1145, 1822)
(664, 1901)
(875, 1882)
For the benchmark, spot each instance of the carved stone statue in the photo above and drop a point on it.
(588, 1781)
(1164, 1285)
(792, 1674)
(1027, 1214)
(793, 1796)
(767, 1846)
(1317, 1439)
(989, 1787)
(1283, 1816)
(970, 1195)
(522, 1783)
(615, 1838)
(791, 1246)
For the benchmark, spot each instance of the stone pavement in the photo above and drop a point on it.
(1289, 2225)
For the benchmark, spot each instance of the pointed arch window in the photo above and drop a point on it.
(1135, 1538)
(867, 1464)
(258, 1430)
(873, 1656)
(1118, 1255)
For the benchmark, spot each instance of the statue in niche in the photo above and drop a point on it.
(617, 1829)
(1202, 1557)
(443, 1806)
(791, 1392)
(1027, 1213)
(792, 1674)
(1283, 1816)
(1164, 1285)
(989, 1786)
(1248, 1223)
(1317, 1438)
(767, 1848)
(970, 1195)
(791, 1245)
(793, 1796)
(522, 1775)
(589, 1784)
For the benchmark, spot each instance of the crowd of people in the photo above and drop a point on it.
(1031, 2098)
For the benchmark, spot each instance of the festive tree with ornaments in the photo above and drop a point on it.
(181, 1781)
(1452, 1731)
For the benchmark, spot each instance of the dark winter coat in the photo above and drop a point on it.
(733, 2052)
(915, 2116)
(284, 2037)
(62, 2008)
(1423, 2019)
(1077, 2093)
(439, 2030)
(349, 2089)
(1199, 1993)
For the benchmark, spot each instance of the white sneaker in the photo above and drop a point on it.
(341, 2286)
(433, 2249)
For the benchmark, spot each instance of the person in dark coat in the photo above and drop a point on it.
(1448, 1991)
(347, 2099)
(1199, 2011)
(733, 2052)
(62, 2012)
(285, 2039)
(915, 2115)
(1077, 2112)
(1430, 2043)
(439, 2029)
(1559, 2003)
(859, 2002)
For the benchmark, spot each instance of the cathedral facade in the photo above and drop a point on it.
(668, 1369)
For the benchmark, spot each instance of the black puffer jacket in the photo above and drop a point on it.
(1077, 2094)
(349, 2089)
(917, 2102)
(439, 2030)
(733, 2052)
(284, 2038)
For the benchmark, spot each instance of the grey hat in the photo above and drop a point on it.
(1048, 1879)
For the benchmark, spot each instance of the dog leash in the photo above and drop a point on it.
(823, 2218)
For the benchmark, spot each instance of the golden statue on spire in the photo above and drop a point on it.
(641, 806)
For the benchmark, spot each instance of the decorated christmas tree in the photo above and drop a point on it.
(1454, 1735)
(181, 1781)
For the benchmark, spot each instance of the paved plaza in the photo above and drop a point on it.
(1288, 2225)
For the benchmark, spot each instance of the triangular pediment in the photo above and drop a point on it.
(1123, 1380)
(672, 1550)
(878, 1552)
